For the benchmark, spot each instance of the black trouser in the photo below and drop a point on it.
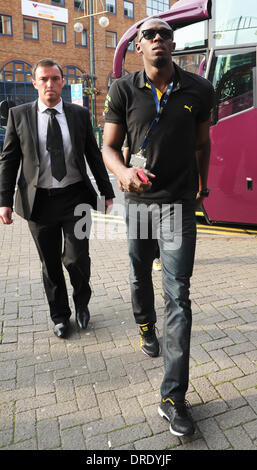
(177, 248)
(52, 227)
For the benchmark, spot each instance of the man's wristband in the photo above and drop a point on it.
(204, 192)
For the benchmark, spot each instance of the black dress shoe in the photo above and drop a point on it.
(82, 318)
(60, 330)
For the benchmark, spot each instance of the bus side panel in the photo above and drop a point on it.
(233, 169)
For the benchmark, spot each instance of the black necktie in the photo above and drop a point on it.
(54, 145)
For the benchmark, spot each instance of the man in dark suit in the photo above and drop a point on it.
(47, 142)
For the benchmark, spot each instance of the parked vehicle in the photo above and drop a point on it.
(222, 48)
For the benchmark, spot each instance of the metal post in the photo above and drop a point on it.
(89, 9)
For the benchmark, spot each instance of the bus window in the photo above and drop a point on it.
(191, 37)
(190, 62)
(234, 22)
(192, 40)
(222, 62)
(233, 77)
(235, 93)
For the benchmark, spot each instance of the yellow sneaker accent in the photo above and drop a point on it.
(168, 399)
(144, 326)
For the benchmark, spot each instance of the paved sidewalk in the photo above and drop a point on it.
(96, 390)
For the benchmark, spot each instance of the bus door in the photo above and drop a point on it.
(233, 163)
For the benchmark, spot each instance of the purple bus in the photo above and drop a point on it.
(218, 40)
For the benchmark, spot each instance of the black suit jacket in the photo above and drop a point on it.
(21, 157)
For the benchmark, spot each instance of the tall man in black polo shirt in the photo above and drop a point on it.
(165, 113)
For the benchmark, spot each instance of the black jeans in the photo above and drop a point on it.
(173, 227)
(52, 227)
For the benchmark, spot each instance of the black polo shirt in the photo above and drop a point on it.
(170, 151)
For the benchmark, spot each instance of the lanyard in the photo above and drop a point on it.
(159, 108)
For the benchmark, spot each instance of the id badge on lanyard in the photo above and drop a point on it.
(139, 158)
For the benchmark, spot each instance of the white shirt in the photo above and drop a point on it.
(46, 180)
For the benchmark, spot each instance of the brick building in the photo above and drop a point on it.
(25, 38)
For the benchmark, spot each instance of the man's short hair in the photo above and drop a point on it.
(45, 63)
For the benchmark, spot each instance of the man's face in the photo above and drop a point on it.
(49, 84)
(157, 50)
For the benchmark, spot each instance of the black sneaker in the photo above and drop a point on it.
(181, 423)
(148, 341)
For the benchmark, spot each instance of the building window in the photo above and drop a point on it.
(59, 33)
(72, 74)
(111, 39)
(79, 4)
(6, 25)
(131, 46)
(81, 38)
(128, 9)
(30, 29)
(16, 71)
(15, 82)
(110, 6)
(58, 2)
(156, 6)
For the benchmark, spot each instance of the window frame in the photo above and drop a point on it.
(19, 91)
(61, 3)
(64, 29)
(153, 11)
(77, 44)
(77, 7)
(71, 72)
(115, 7)
(31, 21)
(132, 3)
(116, 42)
(11, 33)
